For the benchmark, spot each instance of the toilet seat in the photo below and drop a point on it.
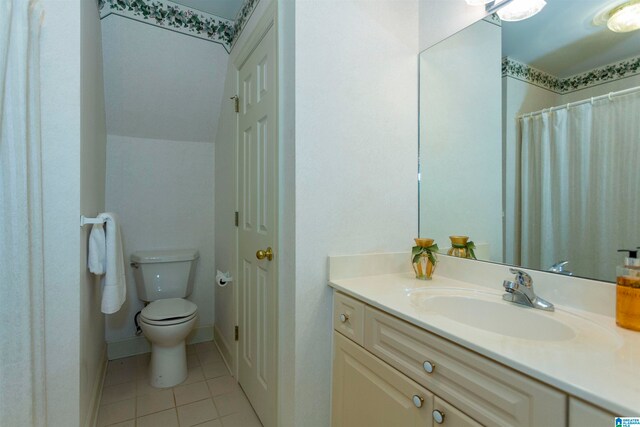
(170, 311)
(168, 322)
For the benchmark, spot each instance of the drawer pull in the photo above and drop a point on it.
(344, 317)
(428, 366)
(438, 416)
(418, 401)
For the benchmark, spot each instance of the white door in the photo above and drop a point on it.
(257, 221)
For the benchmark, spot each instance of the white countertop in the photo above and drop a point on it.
(601, 364)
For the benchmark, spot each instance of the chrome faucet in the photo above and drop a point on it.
(559, 268)
(520, 291)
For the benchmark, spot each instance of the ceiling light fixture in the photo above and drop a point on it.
(622, 18)
(511, 10)
(518, 10)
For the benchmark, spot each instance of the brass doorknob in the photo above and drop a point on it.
(268, 254)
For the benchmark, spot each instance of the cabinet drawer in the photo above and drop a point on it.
(451, 417)
(348, 317)
(369, 393)
(486, 391)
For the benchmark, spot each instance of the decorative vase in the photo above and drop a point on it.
(423, 258)
(461, 247)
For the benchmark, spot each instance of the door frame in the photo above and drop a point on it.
(266, 22)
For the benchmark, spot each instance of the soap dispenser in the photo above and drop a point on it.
(628, 291)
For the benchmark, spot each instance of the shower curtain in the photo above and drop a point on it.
(22, 398)
(580, 181)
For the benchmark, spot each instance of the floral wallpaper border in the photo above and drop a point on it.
(242, 17)
(605, 74)
(171, 16)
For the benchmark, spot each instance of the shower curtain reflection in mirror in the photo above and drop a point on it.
(579, 185)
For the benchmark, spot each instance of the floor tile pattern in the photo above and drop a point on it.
(209, 397)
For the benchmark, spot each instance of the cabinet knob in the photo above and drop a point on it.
(428, 366)
(344, 317)
(418, 401)
(438, 416)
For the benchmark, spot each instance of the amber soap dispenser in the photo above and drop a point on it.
(628, 292)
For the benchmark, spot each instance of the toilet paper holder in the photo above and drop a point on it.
(223, 279)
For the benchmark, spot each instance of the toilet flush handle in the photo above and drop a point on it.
(134, 265)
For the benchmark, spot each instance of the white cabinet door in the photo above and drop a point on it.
(369, 393)
(581, 414)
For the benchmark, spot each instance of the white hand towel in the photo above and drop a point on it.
(115, 288)
(97, 250)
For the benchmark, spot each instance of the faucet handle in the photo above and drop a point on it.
(522, 278)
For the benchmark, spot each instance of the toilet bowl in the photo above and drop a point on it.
(163, 279)
(166, 324)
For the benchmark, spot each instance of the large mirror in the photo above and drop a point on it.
(530, 140)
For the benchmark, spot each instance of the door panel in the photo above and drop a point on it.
(257, 178)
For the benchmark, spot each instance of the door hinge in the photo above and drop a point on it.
(237, 334)
(236, 103)
(237, 218)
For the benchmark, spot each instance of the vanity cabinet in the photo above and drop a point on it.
(583, 414)
(491, 393)
(369, 393)
(376, 380)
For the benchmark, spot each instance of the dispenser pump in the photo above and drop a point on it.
(632, 260)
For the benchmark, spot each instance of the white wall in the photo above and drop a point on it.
(60, 77)
(163, 193)
(92, 186)
(355, 161)
(160, 84)
(461, 139)
(163, 95)
(440, 19)
(73, 141)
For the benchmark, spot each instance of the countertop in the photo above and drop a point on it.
(601, 364)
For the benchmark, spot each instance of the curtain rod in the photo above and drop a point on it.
(493, 7)
(610, 96)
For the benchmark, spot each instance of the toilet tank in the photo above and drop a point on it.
(164, 274)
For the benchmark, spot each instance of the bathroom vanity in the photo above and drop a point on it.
(419, 353)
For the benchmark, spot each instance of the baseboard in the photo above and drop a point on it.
(94, 405)
(224, 348)
(140, 345)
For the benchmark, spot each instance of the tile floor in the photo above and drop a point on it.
(209, 397)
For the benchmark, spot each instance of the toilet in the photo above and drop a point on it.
(163, 279)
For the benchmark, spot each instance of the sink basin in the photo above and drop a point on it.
(497, 316)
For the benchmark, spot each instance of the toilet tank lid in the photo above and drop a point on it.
(144, 257)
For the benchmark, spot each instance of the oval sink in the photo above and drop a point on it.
(496, 316)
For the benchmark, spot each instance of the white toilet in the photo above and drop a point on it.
(164, 279)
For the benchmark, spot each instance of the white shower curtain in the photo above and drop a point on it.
(22, 391)
(580, 181)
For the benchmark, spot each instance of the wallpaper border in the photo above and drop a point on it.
(171, 16)
(605, 74)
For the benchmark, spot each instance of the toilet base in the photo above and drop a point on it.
(168, 366)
